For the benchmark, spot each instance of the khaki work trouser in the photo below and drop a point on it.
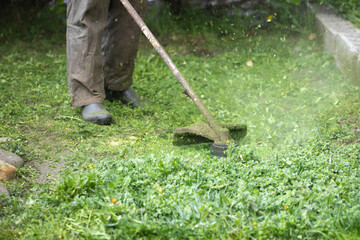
(102, 41)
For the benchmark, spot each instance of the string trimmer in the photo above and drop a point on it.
(221, 134)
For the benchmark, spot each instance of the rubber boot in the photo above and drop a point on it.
(127, 97)
(96, 113)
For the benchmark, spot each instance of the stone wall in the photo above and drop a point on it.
(341, 39)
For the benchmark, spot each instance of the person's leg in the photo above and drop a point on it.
(86, 20)
(120, 44)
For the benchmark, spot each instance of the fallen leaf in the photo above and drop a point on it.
(312, 36)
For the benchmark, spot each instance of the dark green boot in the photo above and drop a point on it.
(96, 113)
(127, 97)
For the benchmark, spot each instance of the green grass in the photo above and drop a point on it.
(295, 175)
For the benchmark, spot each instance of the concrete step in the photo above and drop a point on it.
(341, 39)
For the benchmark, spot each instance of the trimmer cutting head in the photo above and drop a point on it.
(218, 150)
(202, 132)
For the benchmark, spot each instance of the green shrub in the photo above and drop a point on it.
(350, 9)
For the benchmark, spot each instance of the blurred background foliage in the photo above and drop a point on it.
(19, 16)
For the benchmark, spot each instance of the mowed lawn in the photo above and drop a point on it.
(294, 176)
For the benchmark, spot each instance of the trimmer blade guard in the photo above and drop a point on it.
(202, 132)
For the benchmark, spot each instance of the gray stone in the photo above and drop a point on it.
(346, 56)
(357, 67)
(5, 139)
(341, 39)
(11, 158)
(3, 190)
(328, 34)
